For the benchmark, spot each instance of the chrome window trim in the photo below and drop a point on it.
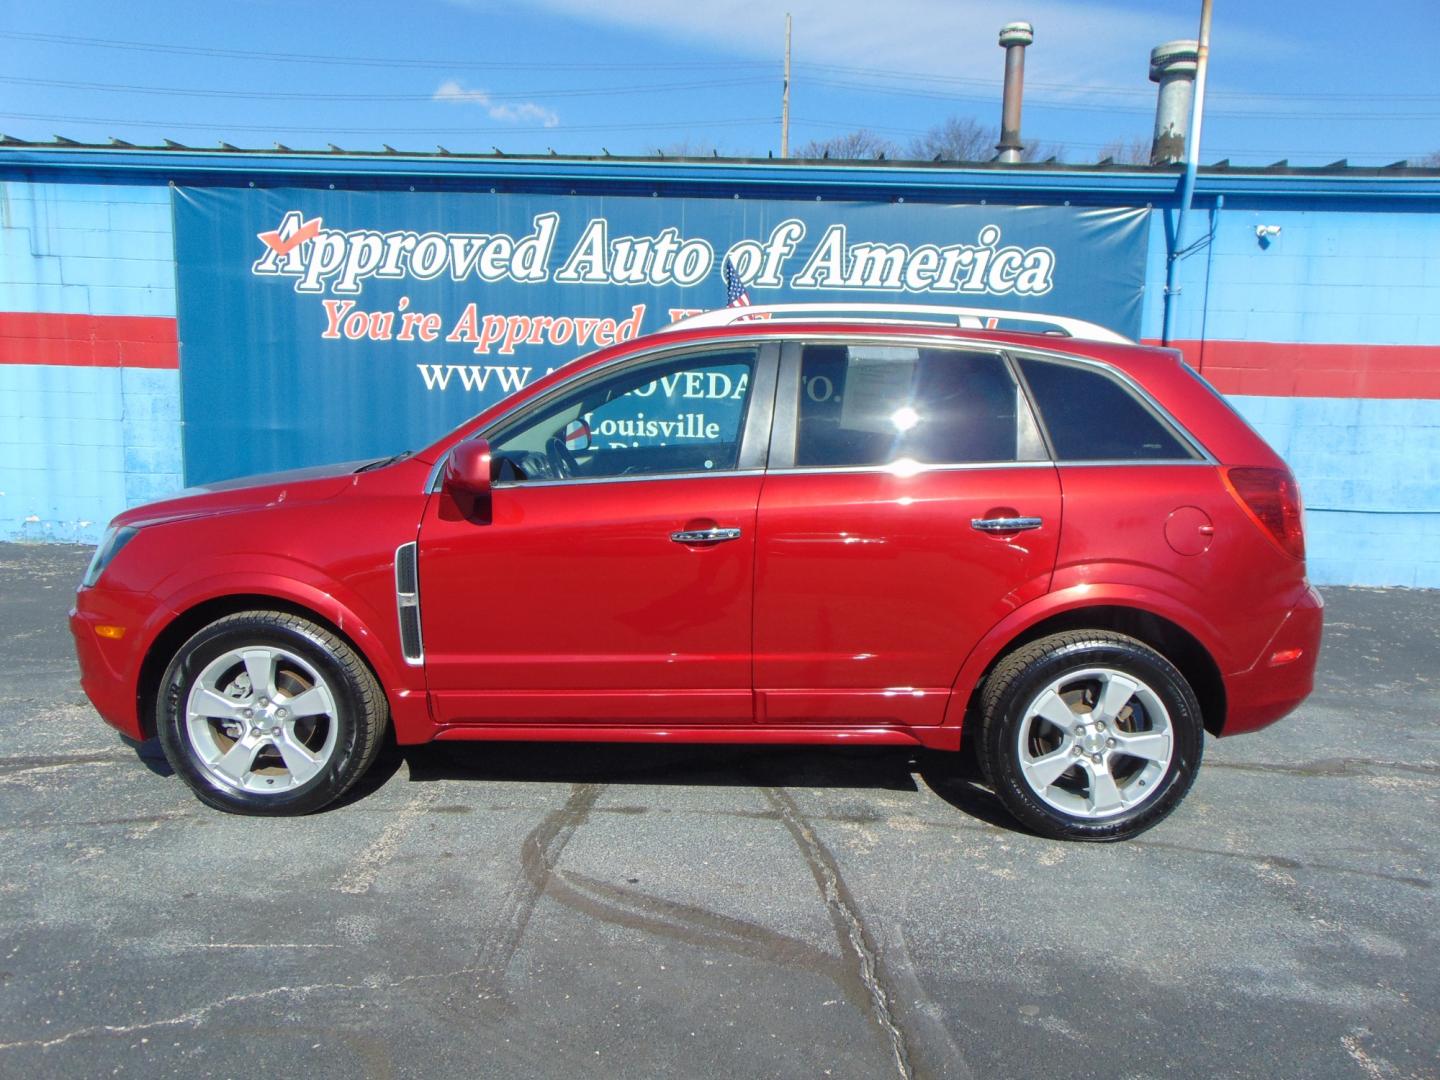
(1111, 462)
(906, 473)
(514, 485)
(796, 470)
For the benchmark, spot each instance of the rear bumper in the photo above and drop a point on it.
(110, 668)
(1281, 679)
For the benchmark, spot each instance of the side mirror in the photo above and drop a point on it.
(468, 470)
(577, 436)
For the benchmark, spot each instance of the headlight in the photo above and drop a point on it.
(110, 546)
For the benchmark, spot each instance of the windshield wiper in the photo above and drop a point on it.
(385, 461)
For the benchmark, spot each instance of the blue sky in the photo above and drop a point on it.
(1311, 82)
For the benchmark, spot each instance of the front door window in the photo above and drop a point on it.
(682, 414)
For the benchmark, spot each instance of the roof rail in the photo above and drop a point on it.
(969, 318)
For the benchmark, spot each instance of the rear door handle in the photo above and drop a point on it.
(714, 535)
(1006, 524)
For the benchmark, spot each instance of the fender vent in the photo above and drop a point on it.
(407, 603)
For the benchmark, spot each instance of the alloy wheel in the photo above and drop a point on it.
(261, 719)
(1095, 743)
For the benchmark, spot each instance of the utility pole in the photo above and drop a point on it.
(1192, 163)
(785, 98)
(1197, 106)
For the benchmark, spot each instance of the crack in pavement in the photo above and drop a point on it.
(60, 761)
(198, 1015)
(1330, 767)
(1285, 863)
(30, 825)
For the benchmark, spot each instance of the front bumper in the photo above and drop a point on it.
(110, 667)
(1275, 686)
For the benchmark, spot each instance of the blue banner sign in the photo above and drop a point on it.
(322, 326)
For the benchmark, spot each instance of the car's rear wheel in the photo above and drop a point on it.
(265, 712)
(1089, 735)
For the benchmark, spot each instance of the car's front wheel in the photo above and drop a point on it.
(1089, 735)
(265, 712)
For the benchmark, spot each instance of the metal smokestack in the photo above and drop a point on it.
(1173, 66)
(1014, 37)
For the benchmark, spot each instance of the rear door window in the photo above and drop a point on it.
(1092, 416)
(867, 405)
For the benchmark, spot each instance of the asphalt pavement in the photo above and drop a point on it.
(632, 911)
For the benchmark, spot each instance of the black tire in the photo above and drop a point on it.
(1010, 719)
(358, 712)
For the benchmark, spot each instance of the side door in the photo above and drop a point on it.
(609, 580)
(910, 504)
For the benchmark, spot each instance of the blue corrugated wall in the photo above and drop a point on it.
(80, 443)
(1369, 468)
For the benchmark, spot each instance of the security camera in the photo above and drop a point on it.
(1262, 231)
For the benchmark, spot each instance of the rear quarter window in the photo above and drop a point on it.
(1092, 416)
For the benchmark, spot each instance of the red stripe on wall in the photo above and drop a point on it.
(1279, 369)
(28, 337)
(1273, 369)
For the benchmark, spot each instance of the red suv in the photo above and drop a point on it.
(765, 525)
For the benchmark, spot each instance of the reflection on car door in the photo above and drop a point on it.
(910, 505)
(605, 599)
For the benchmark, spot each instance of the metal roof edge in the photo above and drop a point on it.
(1158, 184)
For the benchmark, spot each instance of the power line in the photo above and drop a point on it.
(392, 130)
(483, 97)
(1102, 88)
(373, 61)
(1234, 114)
(460, 95)
(650, 65)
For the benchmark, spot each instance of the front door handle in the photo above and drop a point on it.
(713, 535)
(1006, 524)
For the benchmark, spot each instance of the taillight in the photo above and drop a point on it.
(1272, 499)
